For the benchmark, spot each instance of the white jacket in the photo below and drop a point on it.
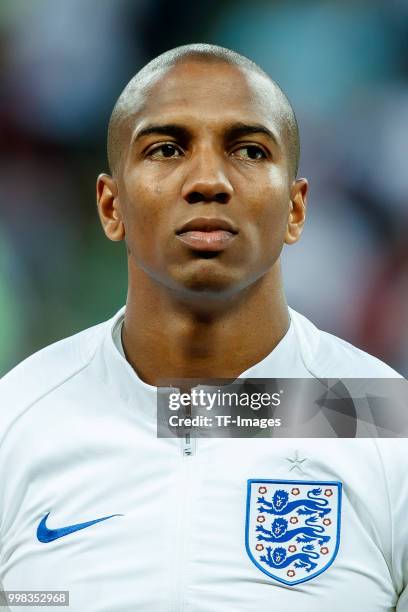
(179, 533)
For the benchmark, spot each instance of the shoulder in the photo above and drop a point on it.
(47, 370)
(327, 356)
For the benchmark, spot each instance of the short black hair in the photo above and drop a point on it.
(197, 52)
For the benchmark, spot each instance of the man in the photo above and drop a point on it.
(203, 151)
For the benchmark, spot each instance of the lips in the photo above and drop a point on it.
(204, 234)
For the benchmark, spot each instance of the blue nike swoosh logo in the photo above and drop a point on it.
(46, 535)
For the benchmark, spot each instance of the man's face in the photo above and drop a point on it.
(207, 142)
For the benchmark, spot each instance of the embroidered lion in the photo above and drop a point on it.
(279, 532)
(280, 504)
(277, 558)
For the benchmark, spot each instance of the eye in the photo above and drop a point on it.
(167, 149)
(252, 152)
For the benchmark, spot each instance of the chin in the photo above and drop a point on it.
(208, 281)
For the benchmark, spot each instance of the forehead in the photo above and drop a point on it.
(209, 94)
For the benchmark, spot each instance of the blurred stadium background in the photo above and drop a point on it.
(344, 66)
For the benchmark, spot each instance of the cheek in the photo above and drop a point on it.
(270, 209)
(149, 204)
(142, 208)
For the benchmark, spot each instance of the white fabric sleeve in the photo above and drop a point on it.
(394, 453)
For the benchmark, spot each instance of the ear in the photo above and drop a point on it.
(297, 210)
(109, 207)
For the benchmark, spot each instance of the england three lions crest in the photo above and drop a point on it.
(293, 527)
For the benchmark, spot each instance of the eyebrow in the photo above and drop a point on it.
(234, 131)
(168, 129)
(242, 129)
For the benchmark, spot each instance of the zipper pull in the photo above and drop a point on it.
(188, 446)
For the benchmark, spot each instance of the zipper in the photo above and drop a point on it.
(188, 446)
(182, 523)
(184, 495)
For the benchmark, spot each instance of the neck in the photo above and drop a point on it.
(167, 335)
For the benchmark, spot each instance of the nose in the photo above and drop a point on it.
(206, 180)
